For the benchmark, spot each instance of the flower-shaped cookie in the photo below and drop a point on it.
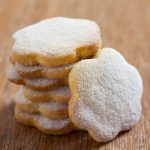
(106, 95)
(56, 41)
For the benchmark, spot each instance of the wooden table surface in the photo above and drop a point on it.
(125, 25)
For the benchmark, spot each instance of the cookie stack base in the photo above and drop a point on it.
(46, 125)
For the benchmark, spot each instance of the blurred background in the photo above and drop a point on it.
(125, 26)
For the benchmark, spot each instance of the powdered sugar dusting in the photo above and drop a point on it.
(42, 121)
(60, 91)
(50, 106)
(56, 36)
(109, 95)
(42, 82)
(12, 74)
(30, 69)
(36, 82)
(24, 68)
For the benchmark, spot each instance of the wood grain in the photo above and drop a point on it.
(125, 25)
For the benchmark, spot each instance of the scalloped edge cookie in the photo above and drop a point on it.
(43, 71)
(44, 124)
(56, 41)
(51, 109)
(59, 94)
(40, 84)
(106, 95)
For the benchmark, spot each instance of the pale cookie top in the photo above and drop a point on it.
(106, 95)
(56, 37)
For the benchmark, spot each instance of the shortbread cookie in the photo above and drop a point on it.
(44, 124)
(40, 84)
(50, 109)
(59, 94)
(56, 41)
(43, 71)
(106, 95)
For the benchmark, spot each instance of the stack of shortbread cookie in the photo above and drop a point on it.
(41, 59)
